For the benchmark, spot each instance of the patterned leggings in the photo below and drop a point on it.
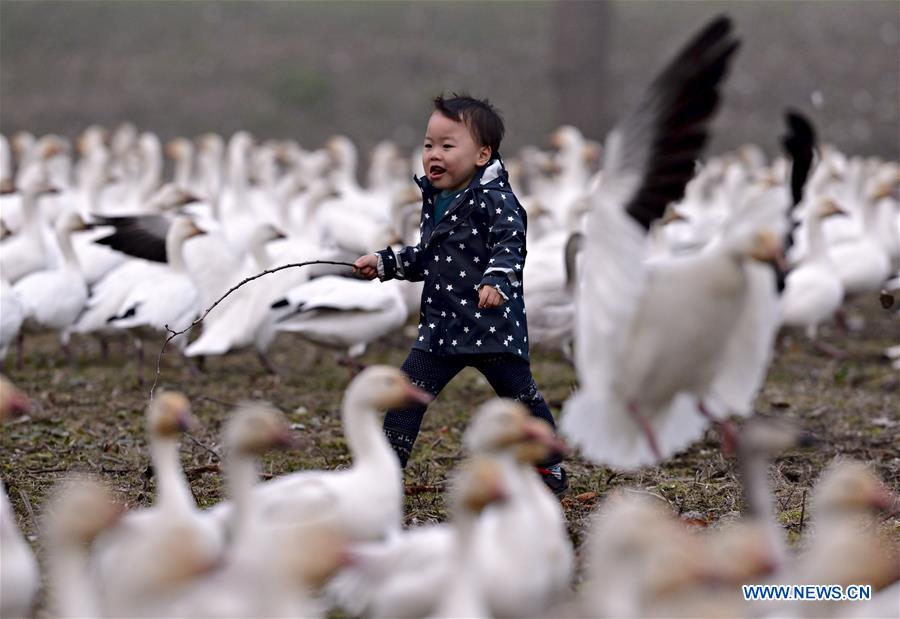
(509, 375)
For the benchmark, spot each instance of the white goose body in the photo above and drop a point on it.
(341, 312)
(154, 549)
(53, 299)
(21, 579)
(12, 314)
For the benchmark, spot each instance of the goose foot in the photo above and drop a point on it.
(104, 348)
(726, 429)
(647, 429)
(195, 366)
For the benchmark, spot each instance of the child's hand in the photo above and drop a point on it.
(366, 266)
(489, 297)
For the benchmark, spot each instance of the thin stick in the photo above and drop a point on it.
(174, 334)
(802, 511)
(200, 444)
(28, 508)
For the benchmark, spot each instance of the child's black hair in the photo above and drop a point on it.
(482, 118)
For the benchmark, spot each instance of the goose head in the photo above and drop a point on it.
(502, 424)
(477, 484)
(92, 138)
(264, 233)
(169, 415)
(184, 228)
(123, 139)
(850, 488)
(380, 387)
(80, 510)
(70, 222)
(769, 437)
(179, 149)
(255, 428)
(12, 401)
(170, 197)
(766, 247)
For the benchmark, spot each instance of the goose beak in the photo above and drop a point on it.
(414, 394)
(187, 423)
(286, 440)
(541, 432)
(887, 299)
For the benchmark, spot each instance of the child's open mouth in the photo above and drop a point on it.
(436, 171)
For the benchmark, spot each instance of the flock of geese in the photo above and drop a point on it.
(664, 280)
(308, 542)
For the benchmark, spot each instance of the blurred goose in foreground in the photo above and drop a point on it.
(478, 485)
(404, 575)
(80, 511)
(20, 580)
(366, 500)
(156, 549)
(641, 393)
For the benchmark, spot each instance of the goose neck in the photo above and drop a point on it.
(243, 473)
(70, 258)
(175, 252)
(815, 237)
(759, 501)
(173, 493)
(73, 590)
(365, 438)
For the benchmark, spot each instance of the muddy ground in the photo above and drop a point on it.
(90, 418)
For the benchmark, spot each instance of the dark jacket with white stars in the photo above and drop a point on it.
(479, 241)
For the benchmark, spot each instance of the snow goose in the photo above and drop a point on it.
(11, 316)
(238, 319)
(53, 299)
(20, 579)
(404, 575)
(181, 152)
(478, 485)
(636, 553)
(27, 251)
(813, 291)
(252, 429)
(635, 405)
(80, 511)
(341, 312)
(154, 549)
(366, 500)
(169, 301)
(522, 550)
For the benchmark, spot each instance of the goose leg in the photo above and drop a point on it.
(20, 350)
(139, 349)
(827, 349)
(267, 363)
(726, 429)
(646, 427)
(351, 364)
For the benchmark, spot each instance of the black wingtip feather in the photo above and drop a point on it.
(800, 146)
(681, 103)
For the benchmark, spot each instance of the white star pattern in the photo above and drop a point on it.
(465, 329)
(453, 314)
(453, 343)
(502, 197)
(509, 218)
(463, 302)
(481, 204)
(497, 211)
(493, 329)
(462, 245)
(501, 183)
(436, 258)
(443, 314)
(427, 216)
(517, 266)
(428, 300)
(449, 287)
(462, 273)
(405, 263)
(431, 325)
(425, 271)
(491, 260)
(437, 286)
(478, 342)
(449, 259)
(474, 232)
(484, 191)
(421, 338)
(477, 314)
(476, 260)
(471, 201)
(441, 341)
(453, 218)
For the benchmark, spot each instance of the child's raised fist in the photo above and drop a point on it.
(489, 297)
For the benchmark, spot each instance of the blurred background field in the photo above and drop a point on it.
(307, 70)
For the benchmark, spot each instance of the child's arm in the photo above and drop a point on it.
(388, 264)
(506, 241)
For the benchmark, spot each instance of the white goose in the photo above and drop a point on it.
(171, 299)
(341, 312)
(667, 328)
(404, 575)
(477, 486)
(366, 500)
(522, 550)
(53, 299)
(21, 579)
(80, 511)
(813, 291)
(154, 549)
(27, 251)
(12, 315)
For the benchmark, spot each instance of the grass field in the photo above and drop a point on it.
(90, 418)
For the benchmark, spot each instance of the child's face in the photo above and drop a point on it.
(451, 154)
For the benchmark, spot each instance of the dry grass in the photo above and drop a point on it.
(90, 418)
